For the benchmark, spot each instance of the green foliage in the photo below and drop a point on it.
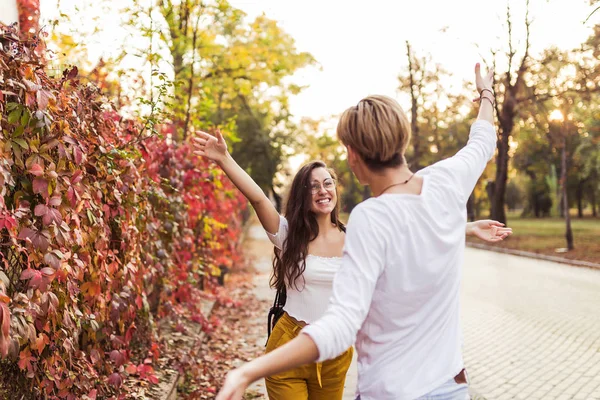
(241, 83)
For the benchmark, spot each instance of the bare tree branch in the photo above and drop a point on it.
(511, 51)
(589, 16)
(192, 74)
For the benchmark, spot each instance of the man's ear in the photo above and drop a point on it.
(352, 156)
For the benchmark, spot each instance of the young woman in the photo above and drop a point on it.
(396, 294)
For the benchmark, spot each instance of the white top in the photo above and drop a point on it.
(309, 301)
(397, 292)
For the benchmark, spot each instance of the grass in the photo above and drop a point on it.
(545, 235)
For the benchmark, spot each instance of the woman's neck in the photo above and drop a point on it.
(387, 179)
(324, 222)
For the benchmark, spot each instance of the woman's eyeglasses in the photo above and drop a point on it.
(328, 184)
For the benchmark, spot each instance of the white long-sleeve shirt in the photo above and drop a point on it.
(396, 294)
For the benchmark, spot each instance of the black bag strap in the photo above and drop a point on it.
(276, 310)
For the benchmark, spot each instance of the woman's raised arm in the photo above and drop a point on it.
(214, 148)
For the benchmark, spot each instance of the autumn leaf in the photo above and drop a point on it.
(34, 276)
(40, 342)
(25, 362)
(71, 73)
(72, 196)
(147, 372)
(39, 239)
(55, 201)
(115, 379)
(32, 87)
(131, 369)
(52, 260)
(49, 215)
(7, 222)
(43, 96)
(37, 170)
(117, 357)
(40, 186)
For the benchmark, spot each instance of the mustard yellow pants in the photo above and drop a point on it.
(317, 381)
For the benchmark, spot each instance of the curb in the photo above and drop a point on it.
(529, 254)
(168, 389)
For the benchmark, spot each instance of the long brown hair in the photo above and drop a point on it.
(290, 262)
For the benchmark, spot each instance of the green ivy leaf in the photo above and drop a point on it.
(14, 116)
(22, 143)
(25, 118)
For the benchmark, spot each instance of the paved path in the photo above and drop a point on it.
(532, 328)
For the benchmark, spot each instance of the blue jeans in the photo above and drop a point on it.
(448, 391)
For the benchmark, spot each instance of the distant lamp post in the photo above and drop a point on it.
(558, 117)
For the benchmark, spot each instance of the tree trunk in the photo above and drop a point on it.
(497, 211)
(593, 201)
(568, 231)
(507, 122)
(580, 198)
(471, 207)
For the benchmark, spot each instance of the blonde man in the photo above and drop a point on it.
(396, 294)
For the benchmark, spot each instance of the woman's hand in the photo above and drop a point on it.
(488, 230)
(212, 147)
(234, 387)
(486, 82)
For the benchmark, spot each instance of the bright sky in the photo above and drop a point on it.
(361, 49)
(360, 46)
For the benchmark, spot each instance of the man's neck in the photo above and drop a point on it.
(388, 178)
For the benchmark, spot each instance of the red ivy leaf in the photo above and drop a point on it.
(95, 356)
(76, 177)
(42, 98)
(52, 260)
(25, 360)
(40, 186)
(78, 154)
(117, 357)
(49, 214)
(40, 210)
(72, 196)
(131, 369)
(35, 277)
(37, 170)
(71, 73)
(115, 379)
(55, 201)
(7, 222)
(40, 342)
(39, 239)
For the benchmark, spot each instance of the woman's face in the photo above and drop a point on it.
(322, 192)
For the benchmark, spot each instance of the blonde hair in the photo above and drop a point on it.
(377, 129)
